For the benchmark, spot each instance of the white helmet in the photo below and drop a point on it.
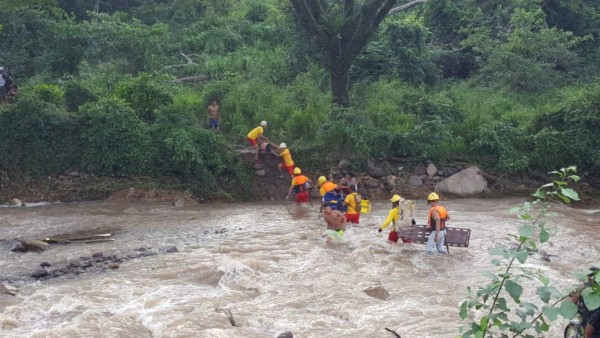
(283, 145)
(1, 68)
(263, 123)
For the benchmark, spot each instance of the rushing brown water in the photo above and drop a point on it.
(266, 263)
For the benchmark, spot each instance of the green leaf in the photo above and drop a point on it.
(570, 193)
(550, 312)
(564, 198)
(463, 310)
(526, 206)
(529, 306)
(498, 250)
(483, 323)
(514, 289)
(539, 194)
(544, 236)
(501, 303)
(574, 178)
(526, 231)
(568, 309)
(591, 298)
(490, 275)
(543, 279)
(522, 256)
(514, 210)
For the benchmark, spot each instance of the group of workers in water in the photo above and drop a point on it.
(341, 202)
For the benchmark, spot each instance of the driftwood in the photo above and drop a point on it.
(227, 313)
(84, 239)
(393, 332)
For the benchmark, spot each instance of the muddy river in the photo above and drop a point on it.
(265, 264)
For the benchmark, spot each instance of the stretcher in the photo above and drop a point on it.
(419, 233)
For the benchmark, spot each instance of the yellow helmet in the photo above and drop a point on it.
(433, 197)
(321, 180)
(395, 198)
(297, 171)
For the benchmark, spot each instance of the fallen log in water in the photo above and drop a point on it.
(66, 239)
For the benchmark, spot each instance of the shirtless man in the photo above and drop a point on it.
(334, 218)
(214, 115)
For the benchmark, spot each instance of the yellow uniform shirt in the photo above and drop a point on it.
(287, 157)
(256, 132)
(351, 202)
(393, 216)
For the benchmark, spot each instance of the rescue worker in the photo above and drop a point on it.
(300, 185)
(393, 216)
(352, 200)
(256, 135)
(324, 187)
(334, 198)
(288, 162)
(437, 218)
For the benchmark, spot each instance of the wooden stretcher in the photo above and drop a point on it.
(419, 233)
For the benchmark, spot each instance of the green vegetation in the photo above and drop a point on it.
(121, 89)
(510, 307)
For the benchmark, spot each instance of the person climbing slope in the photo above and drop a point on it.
(256, 135)
(288, 162)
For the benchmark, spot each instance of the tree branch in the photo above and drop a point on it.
(197, 78)
(405, 6)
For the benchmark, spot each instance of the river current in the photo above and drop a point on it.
(269, 266)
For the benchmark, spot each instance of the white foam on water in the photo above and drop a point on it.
(270, 267)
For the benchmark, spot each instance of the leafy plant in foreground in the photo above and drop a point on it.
(503, 298)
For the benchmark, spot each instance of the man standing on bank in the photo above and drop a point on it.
(214, 115)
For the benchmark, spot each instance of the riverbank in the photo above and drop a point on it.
(379, 180)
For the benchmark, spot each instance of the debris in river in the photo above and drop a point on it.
(378, 292)
(393, 332)
(228, 313)
(24, 245)
(65, 239)
(8, 289)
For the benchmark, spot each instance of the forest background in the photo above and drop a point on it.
(119, 88)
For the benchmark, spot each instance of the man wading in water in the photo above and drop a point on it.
(336, 222)
(437, 225)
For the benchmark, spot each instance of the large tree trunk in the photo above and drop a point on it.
(340, 82)
(343, 43)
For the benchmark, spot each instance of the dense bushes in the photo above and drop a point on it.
(500, 86)
(569, 134)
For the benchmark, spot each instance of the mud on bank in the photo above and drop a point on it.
(378, 181)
